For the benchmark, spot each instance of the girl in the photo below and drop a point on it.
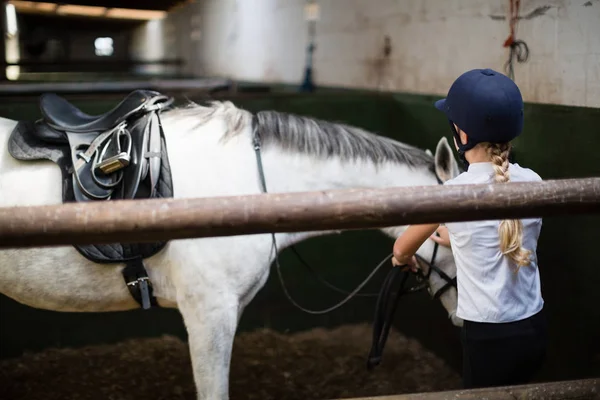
(499, 294)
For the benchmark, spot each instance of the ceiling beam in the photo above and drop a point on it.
(101, 10)
(162, 5)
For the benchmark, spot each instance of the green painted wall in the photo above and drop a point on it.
(570, 272)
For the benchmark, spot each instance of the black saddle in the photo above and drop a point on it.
(120, 154)
(110, 153)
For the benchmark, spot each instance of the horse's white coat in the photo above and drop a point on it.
(209, 280)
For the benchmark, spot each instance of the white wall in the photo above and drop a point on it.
(257, 40)
(174, 37)
(433, 41)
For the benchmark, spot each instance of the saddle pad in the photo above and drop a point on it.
(24, 145)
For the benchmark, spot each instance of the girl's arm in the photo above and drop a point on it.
(409, 242)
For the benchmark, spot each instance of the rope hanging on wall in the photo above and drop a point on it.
(518, 48)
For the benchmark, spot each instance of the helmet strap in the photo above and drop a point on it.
(462, 148)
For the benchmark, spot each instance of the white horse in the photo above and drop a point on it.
(211, 280)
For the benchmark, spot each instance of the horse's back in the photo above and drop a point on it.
(26, 183)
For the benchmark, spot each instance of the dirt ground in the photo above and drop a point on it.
(318, 364)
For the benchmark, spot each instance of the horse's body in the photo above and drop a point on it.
(211, 280)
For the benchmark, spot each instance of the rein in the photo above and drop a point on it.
(387, 302)
(355, 292)
(387, 299)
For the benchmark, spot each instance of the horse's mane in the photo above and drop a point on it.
(308, 135)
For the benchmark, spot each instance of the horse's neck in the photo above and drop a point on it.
(213, 167)
(292, 172)
(204, 166)
(289, 172)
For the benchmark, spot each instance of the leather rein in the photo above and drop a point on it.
(387, 299)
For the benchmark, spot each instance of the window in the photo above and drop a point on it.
(104, 46)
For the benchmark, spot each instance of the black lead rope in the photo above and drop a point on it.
(324, 281)
(387, 302)
(384, 313)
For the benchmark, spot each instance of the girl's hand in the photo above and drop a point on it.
(407, 262)
(444, 238)
(409, 242)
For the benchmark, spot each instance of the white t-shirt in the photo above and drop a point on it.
(488, 288)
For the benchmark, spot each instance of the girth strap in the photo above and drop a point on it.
(139, 284)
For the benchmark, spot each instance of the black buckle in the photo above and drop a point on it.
(139, 284)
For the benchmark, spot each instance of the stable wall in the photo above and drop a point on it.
(566, 250)
(173, 37)
(431, 43)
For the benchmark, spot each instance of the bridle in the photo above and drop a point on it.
(387, 299)
(421, 277)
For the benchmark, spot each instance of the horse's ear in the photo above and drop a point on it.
(446, 166)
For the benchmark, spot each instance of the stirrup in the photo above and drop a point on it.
(118, 161)
(91, 181)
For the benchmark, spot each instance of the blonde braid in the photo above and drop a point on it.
(511, 231)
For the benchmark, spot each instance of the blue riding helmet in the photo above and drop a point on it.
(486, 105)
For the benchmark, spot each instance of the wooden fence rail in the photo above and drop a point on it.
(166, 219)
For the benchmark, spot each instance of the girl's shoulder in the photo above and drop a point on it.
(519, 173)
(460, 179)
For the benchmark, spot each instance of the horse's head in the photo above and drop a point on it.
(437, 266)
(436, 262)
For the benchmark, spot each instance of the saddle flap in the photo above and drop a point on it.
(88, 183)
(47, 134)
